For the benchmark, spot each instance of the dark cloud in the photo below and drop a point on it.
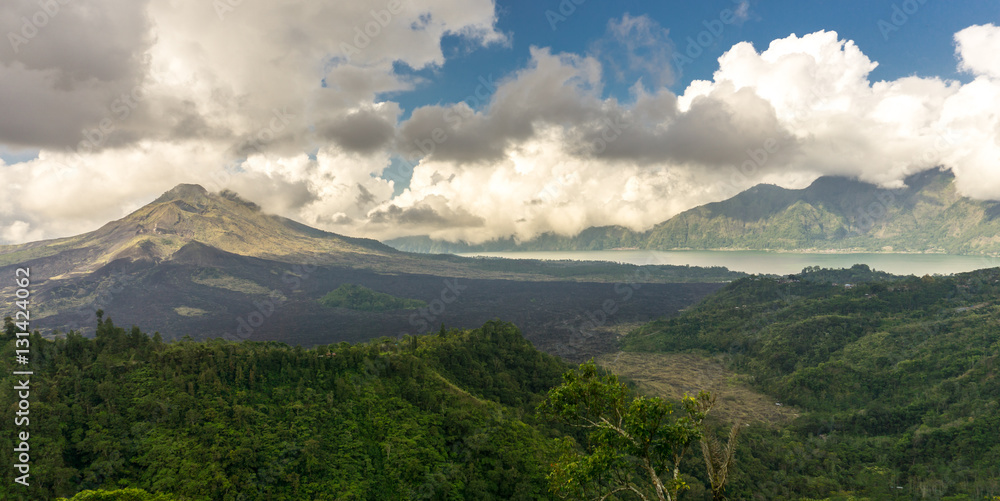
(77, 42)
(274, 195)
(424, 215)
(365, 197)
(553, 90)
(718, 130)
(454, 133)
(63, 65)
(362, 131)
(558, 92)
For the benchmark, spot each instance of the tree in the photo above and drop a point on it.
(719, 458)
(9, 329)
(118, 495)
(635, 444)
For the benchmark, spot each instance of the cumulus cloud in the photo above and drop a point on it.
(363, 131)
(554, 88)
(429, 214)
(127, 98)
(60, 68)
(801, 108)
(976, 47)
(283, 102)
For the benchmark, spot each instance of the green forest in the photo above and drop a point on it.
(444, 416)
(358, 297)
(896, 378)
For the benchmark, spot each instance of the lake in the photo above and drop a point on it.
(780, 263)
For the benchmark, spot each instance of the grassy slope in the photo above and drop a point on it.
(671, 375)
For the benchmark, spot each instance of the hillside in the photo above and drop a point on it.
(189, 213)
(188, 220)
(928, 215)
(896, 379)
(215, 265)
(446, 416)
(888, 390)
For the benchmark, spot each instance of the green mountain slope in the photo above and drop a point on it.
(928, 215)
(436, 417)
(897, 379)
(835, 213)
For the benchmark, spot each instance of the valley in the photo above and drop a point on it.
(801, 362)
(193, 263)
(491, 250)
(261, 300)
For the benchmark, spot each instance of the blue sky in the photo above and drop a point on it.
(923, 45)
(590, 117)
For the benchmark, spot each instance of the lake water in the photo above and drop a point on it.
(781, 263)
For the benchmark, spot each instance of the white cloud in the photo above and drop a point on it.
(977, 48)
(124, 99)
(809, 98)
(20, 231)
(267, 101)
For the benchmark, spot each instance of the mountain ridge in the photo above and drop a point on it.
(194, 262)
(187, 212)
(831, 214)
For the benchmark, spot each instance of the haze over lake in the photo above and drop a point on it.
(780, 263)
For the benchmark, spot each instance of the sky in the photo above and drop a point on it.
(473, 119)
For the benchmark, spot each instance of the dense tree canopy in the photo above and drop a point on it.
(435, 417)
(635, 444)
(897, 380)
(357, 297)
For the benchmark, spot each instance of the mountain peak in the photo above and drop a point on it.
(183, 191)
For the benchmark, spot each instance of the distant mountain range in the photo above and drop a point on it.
(215, 265)
(834, 213)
